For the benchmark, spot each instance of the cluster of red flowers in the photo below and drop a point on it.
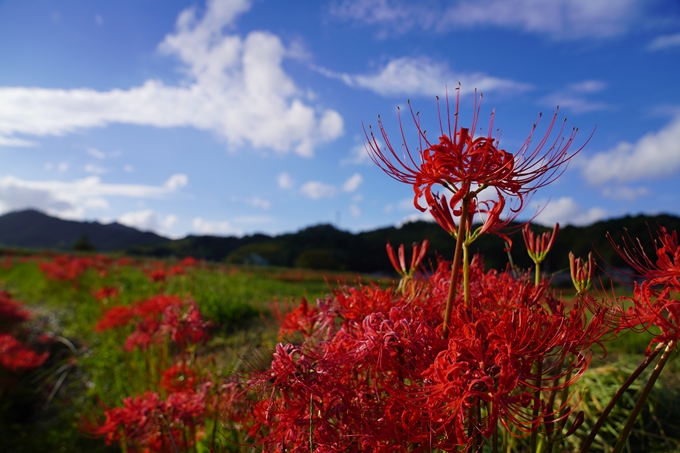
(14, 354)
(153, 423)
(382, 378)
(69, 268)
(382, 370)
(159, 272)
(654, 302)
(156, 319)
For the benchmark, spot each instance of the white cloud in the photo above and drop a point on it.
(215, 228)
(573, 97)
(72, 199)
(352, 183)
(95, 169)
(625, 193)
(354, 210)
(96, 153)
(129, 168)
(148, 220)
(664, 42)
(177, 181)
(285, 181)
(559, 19)
(417, 217)
(566, 211)
(256, 202)
(655, 155)
(16, 142)
(317, 189)
(235, 87)
(588, 86)
(422, 77)
(357, 155)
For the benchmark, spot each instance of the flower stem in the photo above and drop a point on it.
(537, 278)
(619, 393)
(643, 396)
(455, 267)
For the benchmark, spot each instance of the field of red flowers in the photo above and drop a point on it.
(102, 353)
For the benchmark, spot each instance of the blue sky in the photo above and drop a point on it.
(231, 117)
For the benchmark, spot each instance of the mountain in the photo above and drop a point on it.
(326, 247)
(35, 230)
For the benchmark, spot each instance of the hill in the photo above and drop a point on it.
(35, 230)
(324, 246)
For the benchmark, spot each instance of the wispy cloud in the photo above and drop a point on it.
(566, 211)
(352, 183)
(422, 77)
(149, 220)
(73, 199)
(574, 97)
(558, 19)
(664, 42)
(256, 202)
(235, 87)
(215, 227)
(317, 189)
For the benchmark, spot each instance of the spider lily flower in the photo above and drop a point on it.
(538, 247)
(466, 165)
(581, 272)
(665, 270)
(416, 259)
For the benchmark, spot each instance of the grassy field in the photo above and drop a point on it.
(50, 407)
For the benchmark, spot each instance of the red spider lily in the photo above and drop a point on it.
(106, 292)
(416, 258)
(69, 268)
(466, 165)
(179, 377)
(581, 272)
(407, 274)
(148, 423)
(117, 316)
(15, 356)
(538, 247)
(189, 261)
(665, 269)
(185, 324)
(156, 319)
(302, 319)
(11, 312)
(379, 376)
(654, 308)
(157, 275)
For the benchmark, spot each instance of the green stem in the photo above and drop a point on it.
(643, 396)
(619, 393)
(537, 278)
(455, 267)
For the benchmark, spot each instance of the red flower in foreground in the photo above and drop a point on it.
(660, 270)
(465, 165)
(377, 375)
